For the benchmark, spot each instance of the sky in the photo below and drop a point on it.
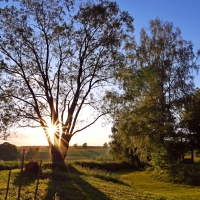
(183, 13)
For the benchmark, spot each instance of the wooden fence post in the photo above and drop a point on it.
(20, 179)
(38, 179)
(8, 183)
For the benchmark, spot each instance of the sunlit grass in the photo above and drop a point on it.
(68, 186)
(98, 173)
(142, 181)
(196, 159)
(84, 183)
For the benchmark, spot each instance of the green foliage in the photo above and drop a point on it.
(190, 120)
(155, 82)
(6, 165)
(181, 174)
(9, 152)
(190, 115)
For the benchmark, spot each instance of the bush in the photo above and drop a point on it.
(181, 174)
(8, 152)
(32, 167)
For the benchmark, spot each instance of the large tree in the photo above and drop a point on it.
(155, 82)
(54, 61)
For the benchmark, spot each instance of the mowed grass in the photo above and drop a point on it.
(76, 154)
(82, 183)
(78, 184)
(141, 181)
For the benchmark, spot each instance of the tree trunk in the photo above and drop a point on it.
(132, 160)
(192, 155)
(59, 152)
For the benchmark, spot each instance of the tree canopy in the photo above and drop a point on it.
(157, 78)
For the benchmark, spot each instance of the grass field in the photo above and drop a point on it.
(77, 182)
(82, 183)
(142, 181)
(76, 154)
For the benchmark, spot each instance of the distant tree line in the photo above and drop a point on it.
(9, 152)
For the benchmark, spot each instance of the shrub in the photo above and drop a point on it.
(32, 167)
(182, 174)
(8, 152)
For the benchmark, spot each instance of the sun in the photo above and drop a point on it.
(51, 130)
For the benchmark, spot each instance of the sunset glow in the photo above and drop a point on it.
(51, 131)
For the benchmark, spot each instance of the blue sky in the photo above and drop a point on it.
(184, 14)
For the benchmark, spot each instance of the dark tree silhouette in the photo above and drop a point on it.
(8, 152)
(84, 145)
(52, 64)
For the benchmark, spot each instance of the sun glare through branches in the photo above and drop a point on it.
(51, 130)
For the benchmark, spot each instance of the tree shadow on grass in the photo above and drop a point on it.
(27, 179)
(129, 171)
(68, 184)
(94, 152)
